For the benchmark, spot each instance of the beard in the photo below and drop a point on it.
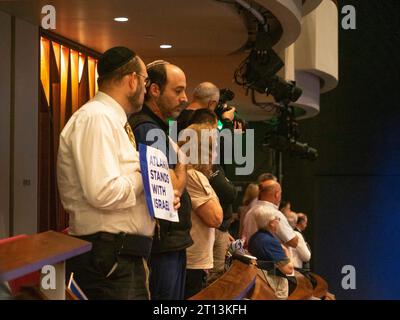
(166, 109)
(136, 100)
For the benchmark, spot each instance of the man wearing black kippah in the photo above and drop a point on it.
(101, 187)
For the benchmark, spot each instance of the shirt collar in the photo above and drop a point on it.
(268, 203)
(265, 231)
(151, 114)
(115, 106)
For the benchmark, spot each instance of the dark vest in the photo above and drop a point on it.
(172, 236)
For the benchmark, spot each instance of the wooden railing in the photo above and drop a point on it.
(303, 290)
(29, 254)
(235, 284)
(321, 290)
(261, 290)
(245, 281)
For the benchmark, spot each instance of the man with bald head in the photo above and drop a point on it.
(205, 96)
(165, 99)
(270, 193)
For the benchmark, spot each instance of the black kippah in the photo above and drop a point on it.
(114, 58)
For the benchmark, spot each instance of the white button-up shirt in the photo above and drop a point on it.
(301, 253)
(98, 172)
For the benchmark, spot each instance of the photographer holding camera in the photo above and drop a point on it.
(227, 114)
(205, 96)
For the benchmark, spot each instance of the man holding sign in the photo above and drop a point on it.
(165, 99)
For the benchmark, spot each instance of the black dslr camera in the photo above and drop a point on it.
(226, 95)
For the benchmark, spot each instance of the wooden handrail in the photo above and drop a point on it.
(245, 281)
(321, 289)
(303, 290)
(30, 254)
(235, 284)
(261, 290)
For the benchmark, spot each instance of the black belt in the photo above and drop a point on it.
(126, 244)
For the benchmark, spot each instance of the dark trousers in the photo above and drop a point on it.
(102, 274)
(292, 282)
(195, 281)
(167, 275)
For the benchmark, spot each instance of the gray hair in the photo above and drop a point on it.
(205, 92)
(265, 177)
(263, 216)
(292, 219)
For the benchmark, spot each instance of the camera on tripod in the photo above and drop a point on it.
(283, 137)
(258, 73)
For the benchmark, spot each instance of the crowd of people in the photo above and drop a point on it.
(136, 256)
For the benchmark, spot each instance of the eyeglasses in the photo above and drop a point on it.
(146, 79)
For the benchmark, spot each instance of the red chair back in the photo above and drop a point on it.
(31, 279)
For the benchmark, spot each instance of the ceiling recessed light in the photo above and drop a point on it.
(121, 19)
(165, 46)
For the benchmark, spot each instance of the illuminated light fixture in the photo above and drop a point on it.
(81, 65)
(121, 19)
(165, 46)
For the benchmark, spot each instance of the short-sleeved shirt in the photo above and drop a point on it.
(200, 254)
(264, 246)
(284, 233)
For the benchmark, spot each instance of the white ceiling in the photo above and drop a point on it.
(193, 27)
(206, 34)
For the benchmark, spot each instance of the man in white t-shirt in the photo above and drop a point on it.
(270, 196)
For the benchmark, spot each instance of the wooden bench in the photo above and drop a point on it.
(261, 290)
(304, 289)
(244, 281)
(321, 289)
(235, 284)
(29, 254)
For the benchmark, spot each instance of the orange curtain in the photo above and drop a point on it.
(67, 81)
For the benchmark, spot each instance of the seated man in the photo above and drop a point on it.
(269, 251)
